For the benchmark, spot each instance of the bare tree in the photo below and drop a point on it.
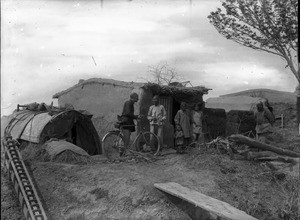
(163, 74)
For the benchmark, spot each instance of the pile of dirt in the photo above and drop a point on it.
(54, 151)
(250, 186)
(125, 190)
(110, 190)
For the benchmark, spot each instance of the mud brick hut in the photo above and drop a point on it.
(104, 98)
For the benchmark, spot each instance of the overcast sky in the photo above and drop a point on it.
(48, 45)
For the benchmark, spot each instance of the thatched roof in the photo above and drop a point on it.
(174, 90)
(153, 87)
(102, 81)
(190, 95)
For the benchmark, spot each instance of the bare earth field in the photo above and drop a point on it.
(124, 190)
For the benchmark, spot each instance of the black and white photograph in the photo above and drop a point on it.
(150, 109)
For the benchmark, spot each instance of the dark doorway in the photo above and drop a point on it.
(176, 107)
(74, 134)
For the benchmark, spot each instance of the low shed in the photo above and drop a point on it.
(38, 127)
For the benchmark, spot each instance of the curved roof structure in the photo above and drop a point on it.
(38, 127)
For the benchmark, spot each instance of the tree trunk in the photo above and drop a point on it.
(298, 112)
(252, 143)
(298, 107)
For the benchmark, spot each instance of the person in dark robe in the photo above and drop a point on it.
(184, 120)
(127, 118)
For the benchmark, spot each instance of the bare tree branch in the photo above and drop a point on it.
(162, 74)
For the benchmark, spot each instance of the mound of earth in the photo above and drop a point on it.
(116, 190)
(125, 190)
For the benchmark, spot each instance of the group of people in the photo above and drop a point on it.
(188, 124)
(189, 127)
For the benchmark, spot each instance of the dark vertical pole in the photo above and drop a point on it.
(298, 92)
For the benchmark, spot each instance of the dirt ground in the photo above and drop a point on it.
(10, 208)
(124, 190)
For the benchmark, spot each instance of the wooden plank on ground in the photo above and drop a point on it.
(222, 210)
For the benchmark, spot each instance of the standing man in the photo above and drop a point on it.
(157, 116)
(264, 120)
(183, 119)
(127, 119)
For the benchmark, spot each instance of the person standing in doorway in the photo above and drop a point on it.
(183, 119)
(157, 116)
(128, 116)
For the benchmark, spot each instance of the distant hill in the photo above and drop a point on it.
(274, 96)
(229, 103)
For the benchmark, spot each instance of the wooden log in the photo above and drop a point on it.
(253, 143)
(270, 156)
(206, 208)
(278, 158)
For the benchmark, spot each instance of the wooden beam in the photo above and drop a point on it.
(253, 143)
(217, 209)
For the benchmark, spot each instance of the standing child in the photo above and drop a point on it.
(183, 119)
(197, 117)
(179, 139)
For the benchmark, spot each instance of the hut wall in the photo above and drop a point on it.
(215, 123)
(104, 101)
(240, 122)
